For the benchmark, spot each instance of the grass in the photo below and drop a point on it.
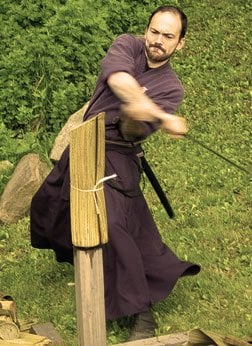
(211, 198)
(212, 203)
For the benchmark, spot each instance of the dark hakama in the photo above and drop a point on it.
(139, 269)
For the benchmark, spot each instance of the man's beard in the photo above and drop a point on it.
(156, 58)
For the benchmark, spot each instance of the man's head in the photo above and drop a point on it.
(165, 33)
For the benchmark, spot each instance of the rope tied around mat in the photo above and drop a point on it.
(95, 189)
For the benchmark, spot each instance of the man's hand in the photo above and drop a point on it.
(175, 125)
(140, 111)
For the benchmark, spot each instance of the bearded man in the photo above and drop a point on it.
(139, 93)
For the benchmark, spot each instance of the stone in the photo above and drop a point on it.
(62, 140)
(24, 182)
(47, 329)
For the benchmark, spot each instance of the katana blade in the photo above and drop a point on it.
(216, 153)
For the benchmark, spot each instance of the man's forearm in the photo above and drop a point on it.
(138, 106)
(128, 90)
(125, 87)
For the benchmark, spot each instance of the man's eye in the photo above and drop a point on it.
(169, 36)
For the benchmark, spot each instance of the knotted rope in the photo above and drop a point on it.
(95, 189)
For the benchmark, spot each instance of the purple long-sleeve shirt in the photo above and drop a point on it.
(127, 54)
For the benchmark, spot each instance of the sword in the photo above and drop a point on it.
(157, 187)
(216, 153)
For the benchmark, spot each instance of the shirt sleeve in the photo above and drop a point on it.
(120, 56)
(171, 101)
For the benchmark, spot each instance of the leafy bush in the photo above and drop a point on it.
(51, 52)
(49, 62)
(50, 55)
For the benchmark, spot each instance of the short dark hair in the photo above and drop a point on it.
(175, 10)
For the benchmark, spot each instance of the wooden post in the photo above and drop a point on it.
(90, 297)
(89, 228)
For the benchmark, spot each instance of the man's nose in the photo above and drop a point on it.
(159, 38)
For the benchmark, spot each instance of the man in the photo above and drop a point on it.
(139, 93)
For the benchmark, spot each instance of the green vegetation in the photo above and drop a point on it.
(49, 61)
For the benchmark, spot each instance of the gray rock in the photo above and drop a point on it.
(24, 182)
(62, 140)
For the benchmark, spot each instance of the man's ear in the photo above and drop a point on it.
(181, 43)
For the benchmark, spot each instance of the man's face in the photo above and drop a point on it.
(162, 38)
